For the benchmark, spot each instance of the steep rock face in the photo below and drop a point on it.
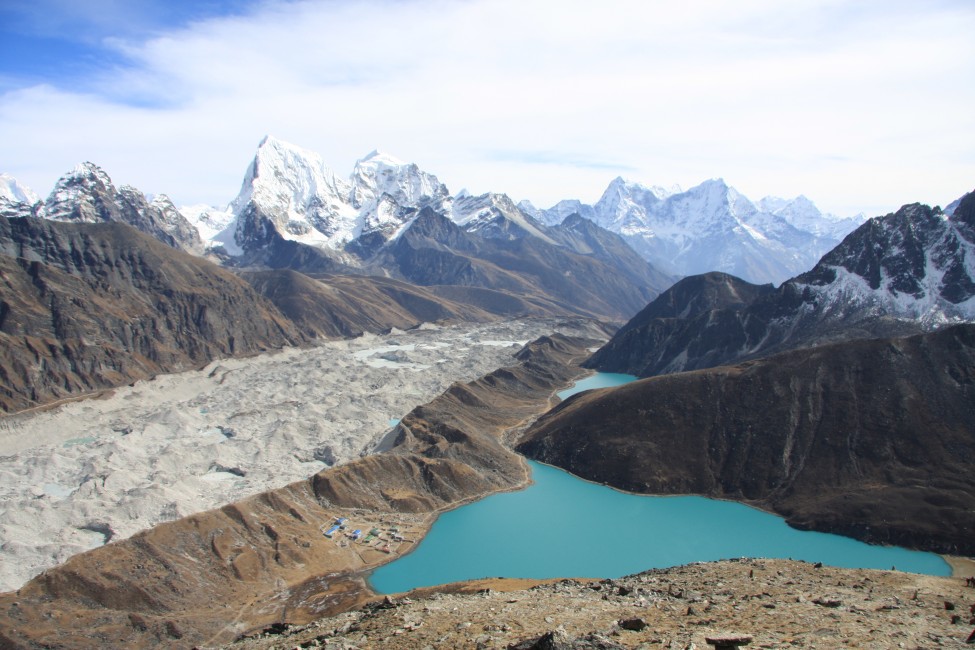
(907, 272)
(295, 194)
(265, 559)
(89, 306)
(712, 227)
(87, 195)
(917, 259)
(873, 439)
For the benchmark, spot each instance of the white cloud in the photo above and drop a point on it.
(861, 106)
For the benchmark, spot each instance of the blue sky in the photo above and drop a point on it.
(65, 42)
(861, 106)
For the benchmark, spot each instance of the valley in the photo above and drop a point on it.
(74, 476)
(212, 576)
(194, 400)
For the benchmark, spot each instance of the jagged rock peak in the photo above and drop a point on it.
(711, 226)
(917, 262)
(290, 191)
(85, 194)
(279, 165)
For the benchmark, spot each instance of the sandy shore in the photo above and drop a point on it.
(87, 471)
(961, 567)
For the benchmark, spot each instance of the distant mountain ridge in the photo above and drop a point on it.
(711, 227)
(293, 212)
(392, 219)
(907, 272)
(87, 195)
(289, 194)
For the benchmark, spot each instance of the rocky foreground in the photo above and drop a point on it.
(778, 603)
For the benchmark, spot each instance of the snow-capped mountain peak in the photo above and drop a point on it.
(916, 263)
(12, 191)
(209, 220)
(86, 194)
(495, 215)
(803, 214)
(380, 173)
(379, 157)
(293, 190)
(75, 196)
(624, 206)
(711, 226)
(284, 173)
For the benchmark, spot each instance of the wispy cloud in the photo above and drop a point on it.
(850, 103)
(557, 158)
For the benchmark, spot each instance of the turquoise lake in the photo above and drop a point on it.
(562, 526)
(598, 380)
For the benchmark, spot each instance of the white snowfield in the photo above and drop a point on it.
(183, 443)
(15, 192)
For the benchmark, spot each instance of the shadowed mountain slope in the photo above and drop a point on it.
(89, 306)
(92, 306)
(436, 251)
(348, 305)
(874, 439)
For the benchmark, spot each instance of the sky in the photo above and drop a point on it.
(860, 106)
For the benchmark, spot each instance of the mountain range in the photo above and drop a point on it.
(712, 227)
(290, 198)
(390, 219)
(906, 272)
(841, 398)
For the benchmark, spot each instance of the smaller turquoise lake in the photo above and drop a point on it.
(599, 380)
(562, 526)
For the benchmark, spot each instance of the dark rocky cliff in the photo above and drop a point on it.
(89, 306)
(874, 439)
